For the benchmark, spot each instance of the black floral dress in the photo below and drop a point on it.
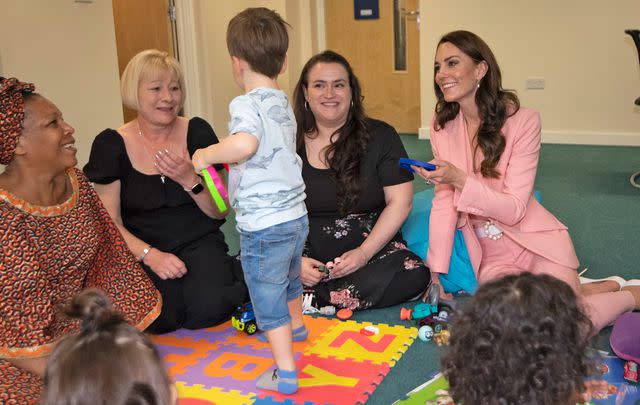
(394, 274)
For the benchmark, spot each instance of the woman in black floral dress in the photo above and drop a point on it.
(357, 195)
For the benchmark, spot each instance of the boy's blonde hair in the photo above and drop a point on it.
(259, 36)
(148, 62)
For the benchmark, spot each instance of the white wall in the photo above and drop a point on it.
(213, 18)
(303, 43)
(68, 50)
(589, 64)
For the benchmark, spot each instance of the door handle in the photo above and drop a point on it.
(412, 14)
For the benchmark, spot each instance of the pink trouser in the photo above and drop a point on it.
(504, 256)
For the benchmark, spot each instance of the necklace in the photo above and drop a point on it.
(144, 145)
(316, 153)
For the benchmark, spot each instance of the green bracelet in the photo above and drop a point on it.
(211, 186)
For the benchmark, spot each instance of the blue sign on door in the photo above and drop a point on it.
(366, 9)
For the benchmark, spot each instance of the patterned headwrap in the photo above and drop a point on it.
(12, 94)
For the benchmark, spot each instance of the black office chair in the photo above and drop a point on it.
(635, 34)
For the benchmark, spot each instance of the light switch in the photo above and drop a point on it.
(535, 83)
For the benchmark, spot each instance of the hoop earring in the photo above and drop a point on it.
(306, 105)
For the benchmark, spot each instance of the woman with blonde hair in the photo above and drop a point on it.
(143, 173)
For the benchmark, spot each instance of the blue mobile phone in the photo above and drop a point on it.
(406, 163)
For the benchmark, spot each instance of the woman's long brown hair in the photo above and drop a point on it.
(495, 104)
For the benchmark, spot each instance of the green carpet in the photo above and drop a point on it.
(587, 188)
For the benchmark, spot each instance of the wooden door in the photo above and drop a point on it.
(390, 95)
(140, 25)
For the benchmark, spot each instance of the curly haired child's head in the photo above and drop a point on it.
(108, 362)
(521, 340)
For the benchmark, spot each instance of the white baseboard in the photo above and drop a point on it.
(577, 137)
(592, 138)
(423, 133)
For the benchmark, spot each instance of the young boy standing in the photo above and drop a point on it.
(266, 186)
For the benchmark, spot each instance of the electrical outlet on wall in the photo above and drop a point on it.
(535, 83)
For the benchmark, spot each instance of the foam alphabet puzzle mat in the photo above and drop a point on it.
(337, 364)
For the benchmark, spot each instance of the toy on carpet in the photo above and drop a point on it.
(369, 330)
(631, 371)
(310, 307)
(243, 319)
(215, 187)
(431, 317)
(344, 314)
(433, 392)
(425, 333)
(625, 342)
(442, 337)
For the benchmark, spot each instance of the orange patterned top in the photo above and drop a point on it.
(48, 255)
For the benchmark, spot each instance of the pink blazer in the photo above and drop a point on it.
(508, 201)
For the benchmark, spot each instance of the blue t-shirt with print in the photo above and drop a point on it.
(267, 189)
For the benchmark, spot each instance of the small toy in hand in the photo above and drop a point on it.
(406, 164)
(215, 187)
(244, 319)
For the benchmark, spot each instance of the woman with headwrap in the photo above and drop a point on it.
(56, 239)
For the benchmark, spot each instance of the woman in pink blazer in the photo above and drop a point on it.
(486, 150)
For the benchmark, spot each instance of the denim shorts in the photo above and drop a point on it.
(271, 260)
